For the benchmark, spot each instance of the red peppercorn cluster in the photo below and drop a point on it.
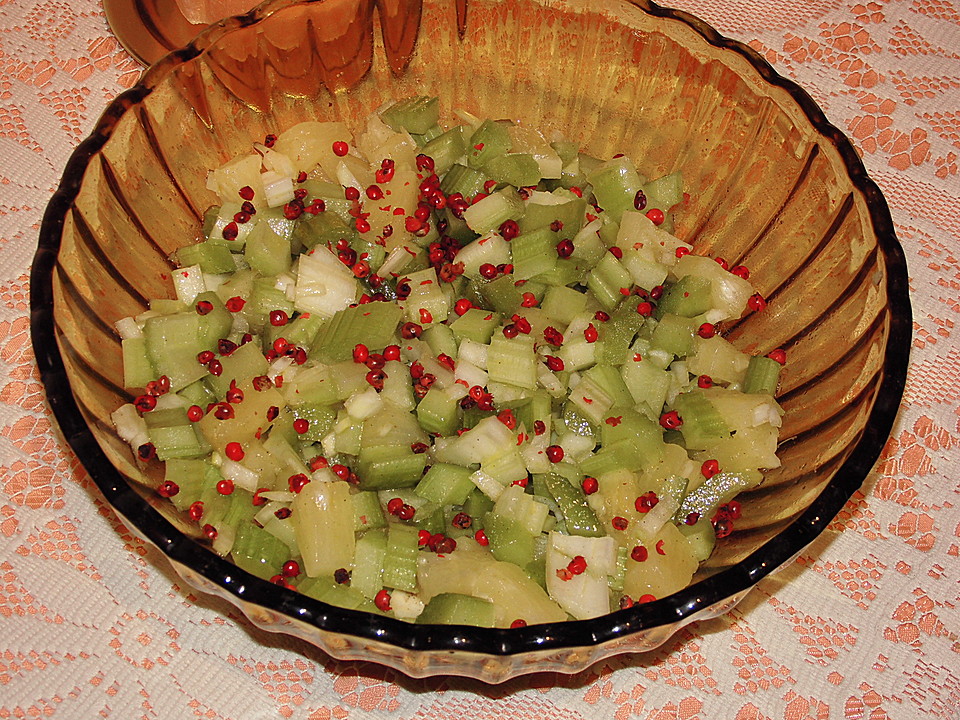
(398, 508)
(723, 519)
(478, 396)
(440, 543)
(646, 502)
(576, 566)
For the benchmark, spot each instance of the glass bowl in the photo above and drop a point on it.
(773, 186)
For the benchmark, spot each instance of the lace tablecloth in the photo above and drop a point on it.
(862, 626)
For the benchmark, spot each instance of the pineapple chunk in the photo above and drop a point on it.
(583, 595)
(668, 567)
(472, 570)
(718, 358)
(322, 517)
(637, 232)
(728, 292)
(248, 421)
(243, 171)
(310, 143)
(616, 497)
(324, 284)
(528, 140)
(426, 303)
(748, 449)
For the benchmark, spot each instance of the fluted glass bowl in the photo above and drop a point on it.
(772, 185)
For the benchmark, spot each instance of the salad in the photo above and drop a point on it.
(462, 375)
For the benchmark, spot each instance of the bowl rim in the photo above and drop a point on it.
(682, 606)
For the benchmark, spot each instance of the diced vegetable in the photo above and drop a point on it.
(454, 376)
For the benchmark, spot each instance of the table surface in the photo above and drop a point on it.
(864, 625)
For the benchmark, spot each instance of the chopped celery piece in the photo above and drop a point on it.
(533, 253)
(441, 340)
(265, 297)
(213, 258)
(302, 330)
(619, 332)
(457, 609)
(635, 434)
(664, 192)
(258, 552)
(465, 180)
(348, 434)
(215, 321)
(367, 512)
(242, 364)
(477, 505)
(321, 420)
(165, 418)
(567, 271)
(177, 441)
(137, 368)
(322, 385)
(371, 549)
(715, 491)
(415, 115)
(325, 228)
(215, 505)
(509, 540)
(322, 516)
(400, 559)
(492, 211)
(560, 210)
(701, 536)
(536, 407)
(609, 281)
(475, 324)
(688, 297)
(426, 302)
(333, 593)
(266, 251)
(504, 295)
(438, 412)
(373, 325)
(446, 149)
(763, 375)
(517, 169)
(277, 220)
(445, 484)
(170, 341)
(563, 303)
(647, 383)
(702, 422)
(577, 513)
(615, 184)
(718, 358)
(576, 422)
(674, 334)
(488, 141)
(609, 380)
(422, 139)
(490, 249)
(512, 361)
(387, 466)
(189, 474)
(215, 219)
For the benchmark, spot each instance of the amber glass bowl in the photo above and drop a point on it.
(772, 185)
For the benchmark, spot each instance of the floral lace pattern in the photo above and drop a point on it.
(864, 625)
